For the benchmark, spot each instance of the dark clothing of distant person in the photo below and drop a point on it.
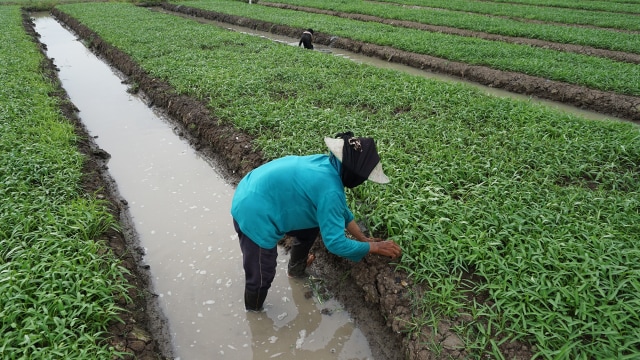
(306, 39)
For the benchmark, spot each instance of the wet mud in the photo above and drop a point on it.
(378, 296)
(603, 102)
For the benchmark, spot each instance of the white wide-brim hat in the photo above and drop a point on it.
(336, 145)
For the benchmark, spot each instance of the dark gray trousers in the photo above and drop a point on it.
(260, 264)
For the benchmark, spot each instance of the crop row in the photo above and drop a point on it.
(529, 12)
(597, 38)
(592, 72)
(542, 205)
(610, 6)
(57, 286)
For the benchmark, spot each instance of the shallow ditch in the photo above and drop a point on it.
(178, 201)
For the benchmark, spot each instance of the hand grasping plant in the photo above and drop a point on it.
(376, 245)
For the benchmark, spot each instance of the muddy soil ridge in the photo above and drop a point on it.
(604, 102)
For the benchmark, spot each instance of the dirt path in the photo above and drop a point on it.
(608, 103)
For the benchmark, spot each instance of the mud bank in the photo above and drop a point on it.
(609, 103)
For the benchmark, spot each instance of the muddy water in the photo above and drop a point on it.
(404, 68)
(180, 207)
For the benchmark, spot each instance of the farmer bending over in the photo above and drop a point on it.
(306, 39)
(303, 196)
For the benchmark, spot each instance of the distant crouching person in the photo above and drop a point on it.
(306, 39)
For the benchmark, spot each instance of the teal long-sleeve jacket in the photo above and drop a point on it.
(293, 193)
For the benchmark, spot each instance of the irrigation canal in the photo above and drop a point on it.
(180, 206)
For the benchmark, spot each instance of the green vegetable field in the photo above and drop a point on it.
(464, 17)
(520, 221)
(57, 284)
(593, 72)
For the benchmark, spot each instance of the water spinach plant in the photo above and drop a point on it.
(521, 217)
(623, 7)
(555, 32)
(57, 284)
(593, 72)
(598, 18)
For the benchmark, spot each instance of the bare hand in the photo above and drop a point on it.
(385, 248)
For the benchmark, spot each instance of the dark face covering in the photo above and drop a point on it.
(359, 158)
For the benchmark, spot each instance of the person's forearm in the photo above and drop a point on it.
(376, 246)
(355, 231)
